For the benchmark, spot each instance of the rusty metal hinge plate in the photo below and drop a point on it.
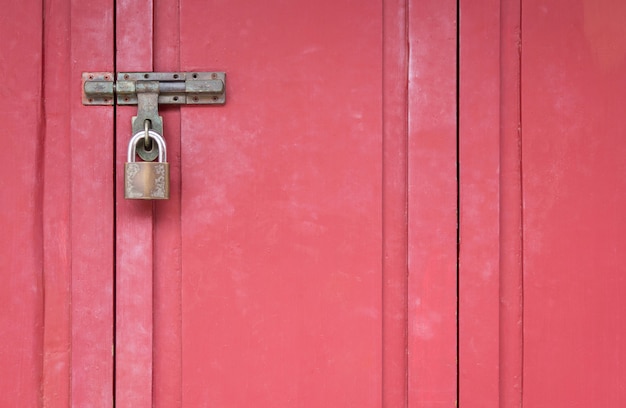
(177, 88)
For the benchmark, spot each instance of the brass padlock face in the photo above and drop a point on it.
(147, 181)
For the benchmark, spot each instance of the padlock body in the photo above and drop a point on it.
(147, 180)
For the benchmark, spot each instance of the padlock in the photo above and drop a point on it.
(147, 180)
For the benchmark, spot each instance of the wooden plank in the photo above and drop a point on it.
(574, 193)
(395, 234)
(167, 229)
(57, 179)
(21, 289)
(91, 210)
(490, 289)
(511, 271)
(282, 206)
(432, 204)
(134, 227)
(479, 179)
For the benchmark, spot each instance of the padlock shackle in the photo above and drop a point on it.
(160, 141)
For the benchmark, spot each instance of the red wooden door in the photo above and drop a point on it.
(307, 256)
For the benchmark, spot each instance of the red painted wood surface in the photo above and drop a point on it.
(479, 156)
(167, 352)
(57, 209)
(21, 286)
(282, 272)
(479, 199)
(394, 199)
(134, 227)
(57, 205)
(91, 211)
(432, 204)
(511, 272)
(574, 192)
(77, 209)
(281, 206)
(275, 286)
(490, 269)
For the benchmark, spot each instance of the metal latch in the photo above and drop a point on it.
(148, 90)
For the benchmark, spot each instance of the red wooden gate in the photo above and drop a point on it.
(309, 255)
(276, 275)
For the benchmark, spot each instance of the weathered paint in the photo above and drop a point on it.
(57, 209)
(281, 206)
(574, 195)
(77, 203)
(283, 270)
(167, 340)
(479, 202)
(91, 212)
(395, 230)
(21, 286)
(315, 268)
(432, 204)
(134, 227)
(511, 276)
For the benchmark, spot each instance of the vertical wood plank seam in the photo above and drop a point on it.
(407, 51)
(114, 221)
(180, 224)
(521, 203)
(40, 199)
(458, 202)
